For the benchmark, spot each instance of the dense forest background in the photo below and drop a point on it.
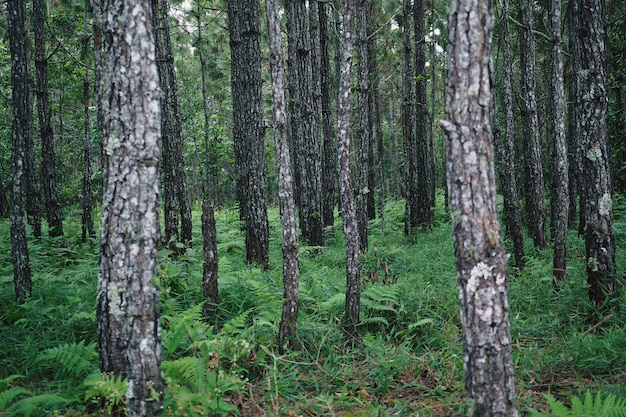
(568, 341)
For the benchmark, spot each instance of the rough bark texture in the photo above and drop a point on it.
(175, 182)
(48, 160)
(512, 216)
(329, 168)
(408, 136)
(210, 263)
(129, 338)
(533, 171)
(559, 181)
(596, 190)
(423, 156)
(291, 271)
(480, 257)
(248, 125)
(362, 137)
(18, 39)
(87, 224)
(350, 225)
(305, 132)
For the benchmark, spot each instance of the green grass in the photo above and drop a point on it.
(408, 362)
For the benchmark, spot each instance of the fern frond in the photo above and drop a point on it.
(4, 383)
(8, 396)
(28, 406)
(75, 359)
(107, 387)
(598, 406)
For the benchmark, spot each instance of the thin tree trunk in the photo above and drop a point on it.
(362, 139)
(481, 261)
(560, 183)
(407, 109)
(289, 319)
(512, 216)
(350, 225)
(534, 184)
(87, 224)
(129, 333)
(48, 160)
(18, 40)
(593, 113)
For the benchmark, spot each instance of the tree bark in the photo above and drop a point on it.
(48, 160)
(129, 333)
(481, 261)
(87, 225)
(534, 183)
(291, 272)
(560, 183)
(512, 216)
(408, 134)
(350, 225)
(362, 138)
(18, 40)
(305, 134)
(593, 129)
(248, 125)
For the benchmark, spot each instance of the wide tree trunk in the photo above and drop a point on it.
(506, 156)
(329, 167)
(481, 261)
(560, 183)
(423, 155)
(598, 204)
(303, 123)
(362, 137)
(248, 125)
(175, 182)
(48, 160)
(534, 184)
(291, 272)
(18, 40)
(350, 225)
(129, 332)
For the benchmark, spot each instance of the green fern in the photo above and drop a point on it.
(379, 303)
(9, 394)
(589, 406)
(106, 389)
(37, 405)
(74, 359)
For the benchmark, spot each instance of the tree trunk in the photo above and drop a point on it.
(175, 183)
(18, 40)
(248, 125)
(362, 139)
(329, 168)
(598, 206)
(480, 257)
(129, 333)
(87, 225)
(407, 109)
(534, 184)
(48, 160)
(512, 216)
(305, 134)
(560, 183)
(423, 156)
(350, 225)
(291, 272)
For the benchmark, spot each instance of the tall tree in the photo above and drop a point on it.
(573, 142)
(129, 332)
(350, 225)
(175, 183)
(408, 134)
(18, 40)
(512, 216)
(305, 133)
(48, 160)
(291, 271)
(534, 183)
(87, 225)
(244, 25)
(423, 155)
(362, 138)
(559, 180)
(592, 119)
(329, 167)
(481, 261)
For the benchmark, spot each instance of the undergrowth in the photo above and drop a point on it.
(408, 361)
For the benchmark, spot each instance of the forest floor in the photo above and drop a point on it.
(407, 362)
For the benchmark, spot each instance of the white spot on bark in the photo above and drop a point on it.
(594, 154)
(115, 294)
(480, 271)
(606, 205)
(112, 144)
